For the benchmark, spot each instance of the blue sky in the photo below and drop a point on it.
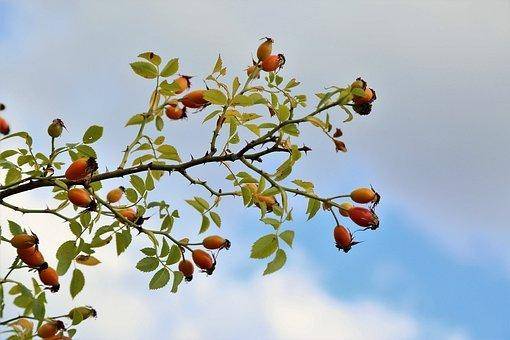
(435, 146)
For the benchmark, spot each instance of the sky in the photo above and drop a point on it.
(435, 146)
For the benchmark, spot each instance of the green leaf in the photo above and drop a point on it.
(148, 251)
(144, 69)
(271, 221)
(283, 113)
(264, 246)
(216, 218)
(138, 183)
(277, 263)
(196, 205)
(86, 151)
(174, 256)
(246, 192)
(151, 57)
(308, 186)
(313, 207)
(206, 223)
(288, 237)
(271, 191)
(178, 276)
(131, 195)
(13, 175)
(160, 124)
(38, 308)
(160, 279)
(77, 317)
(122, 241)
(291, 129)
(136, 119)
(77, 283)
(93, 134)
(65, 255)
(165, 249)
(169, 152)
(215, 97)
(14, 228)
(149, 182)
(170, 68)
(75, 228)
(147, 264)
(218, 65)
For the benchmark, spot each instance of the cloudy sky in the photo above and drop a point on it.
(436, 146)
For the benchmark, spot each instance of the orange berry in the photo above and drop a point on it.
(364, 217)
(265, 49)
(79, 197)
(33, 260)
(194, 99)
(363, 195)
(343, 238)
(81, 168)
(174, 112)
(129, 214)
(183, 82)
(203, 259)
(49, 329)
(24, 241)
(215, 242)
(273, 62)
(115, 194)
(49, 277)
(368, 97)
(186, 268)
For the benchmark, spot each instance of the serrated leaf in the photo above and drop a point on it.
(136, 119)
(206, 223)
(264, 246)
(313, 207)
(14, 228)
(131, 195)
(171, 67)
(218, 65)
(160, 279)
(65, 255)
(308, 186)
(169, 152)
(138, 183)
(122, 241)
(178, 276)
(288, 237)
(271, 221)
(196, 205)
(151, 57)
(144, 69)
(85, 150)
(13, 175)
(277, 263)
(93, 134)
(216, 218)
(147, 264)
(215, 97)
(174, 256)
(77, 283)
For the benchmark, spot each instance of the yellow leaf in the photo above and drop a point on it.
(87, 260)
